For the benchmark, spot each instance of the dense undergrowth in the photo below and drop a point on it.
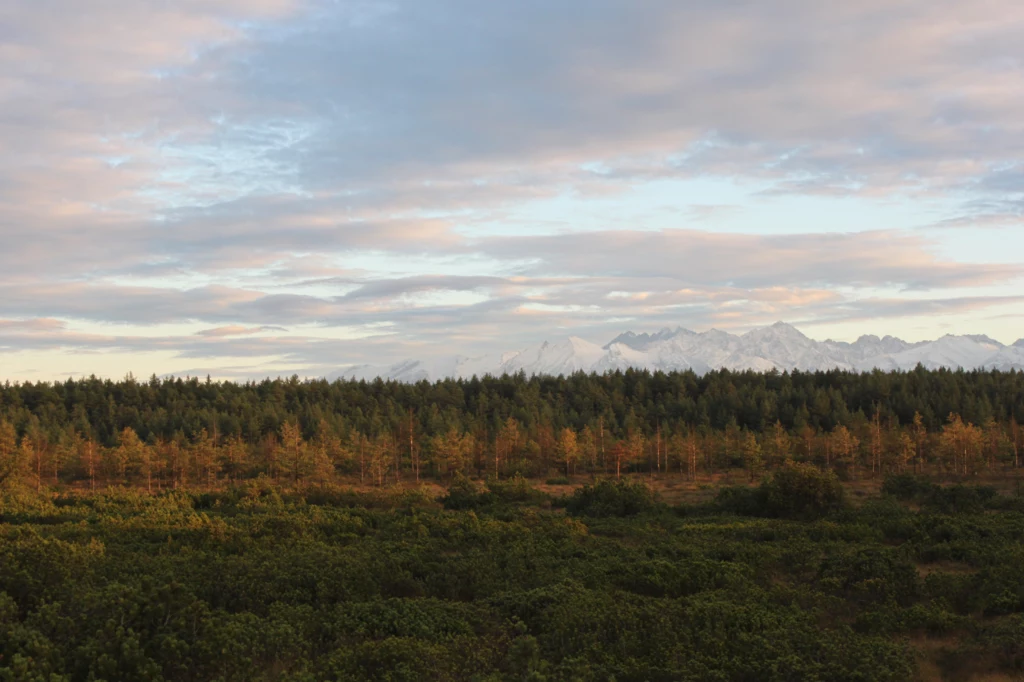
(502, 582)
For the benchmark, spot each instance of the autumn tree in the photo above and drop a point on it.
(450, 450)
(688, 449)
(89, 458)
(1016, 438)
(753, 459)
(779, 445)
(587, 442)
(35, 449)
(294, 452)
(324, 453)
(636, 444)
(381, 457)
(175, 460)
(12, 462)
(568, 448)
(920, 435)
(876, 447)
(205, 457)
(506, 444)
(64, 452)
(961, 445)
(844, 446)
(996, 446)
(233, 457)
(118, 459)
(906, 451)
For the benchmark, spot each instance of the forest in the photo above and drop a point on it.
(838, 527)
(173, 433)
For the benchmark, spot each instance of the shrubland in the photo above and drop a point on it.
(788, 580)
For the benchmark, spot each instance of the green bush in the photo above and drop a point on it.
(959, 499)
(871, 575)
(798, 491)
(464, 494)
(612, 498)
(906, 487)
(802, 491)
(516, 490)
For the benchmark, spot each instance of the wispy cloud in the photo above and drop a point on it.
(403, 169)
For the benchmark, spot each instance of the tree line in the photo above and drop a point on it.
(168, 433)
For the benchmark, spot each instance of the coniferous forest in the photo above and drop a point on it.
(175, 432)
(841, 527)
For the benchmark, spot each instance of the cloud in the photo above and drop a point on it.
(238, 330)
(858, 260)
(389, 169)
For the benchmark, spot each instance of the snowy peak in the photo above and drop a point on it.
(564, 357)
(982, 339)
(778, 347)
(644, 341)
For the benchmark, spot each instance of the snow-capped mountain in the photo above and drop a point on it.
(778, 347)
(564, 357)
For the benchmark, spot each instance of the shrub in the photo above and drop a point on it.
(959, 499)
(516, 490)
(799, 491)
(906, 486)
(802, 491)
(463, 494)
(871, 575)
(612, 498)
(740, 500)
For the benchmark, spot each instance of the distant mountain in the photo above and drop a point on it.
(778, 347)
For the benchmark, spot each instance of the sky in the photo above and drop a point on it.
(251, 188)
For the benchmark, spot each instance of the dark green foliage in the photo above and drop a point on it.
(871, 575)
(797, 491)
(464, 494)
(177, 407)
(959, 499)
(801, 491)
(611, 498)
(516, 490)
(954, 499)
(906, 486)
(259, 586)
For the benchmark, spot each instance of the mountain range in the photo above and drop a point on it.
(778, 347)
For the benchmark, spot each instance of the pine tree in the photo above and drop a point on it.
(753, 460)
(920, 435)
(205, 457)
(780, 445)
(89, 459)
(451, 449)
(12, 462)
(1016, 438)
(233, 457)
(588, 449)
(692, 447)
(381, 457)
(294, 453)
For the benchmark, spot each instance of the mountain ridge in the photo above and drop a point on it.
(780, 346)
